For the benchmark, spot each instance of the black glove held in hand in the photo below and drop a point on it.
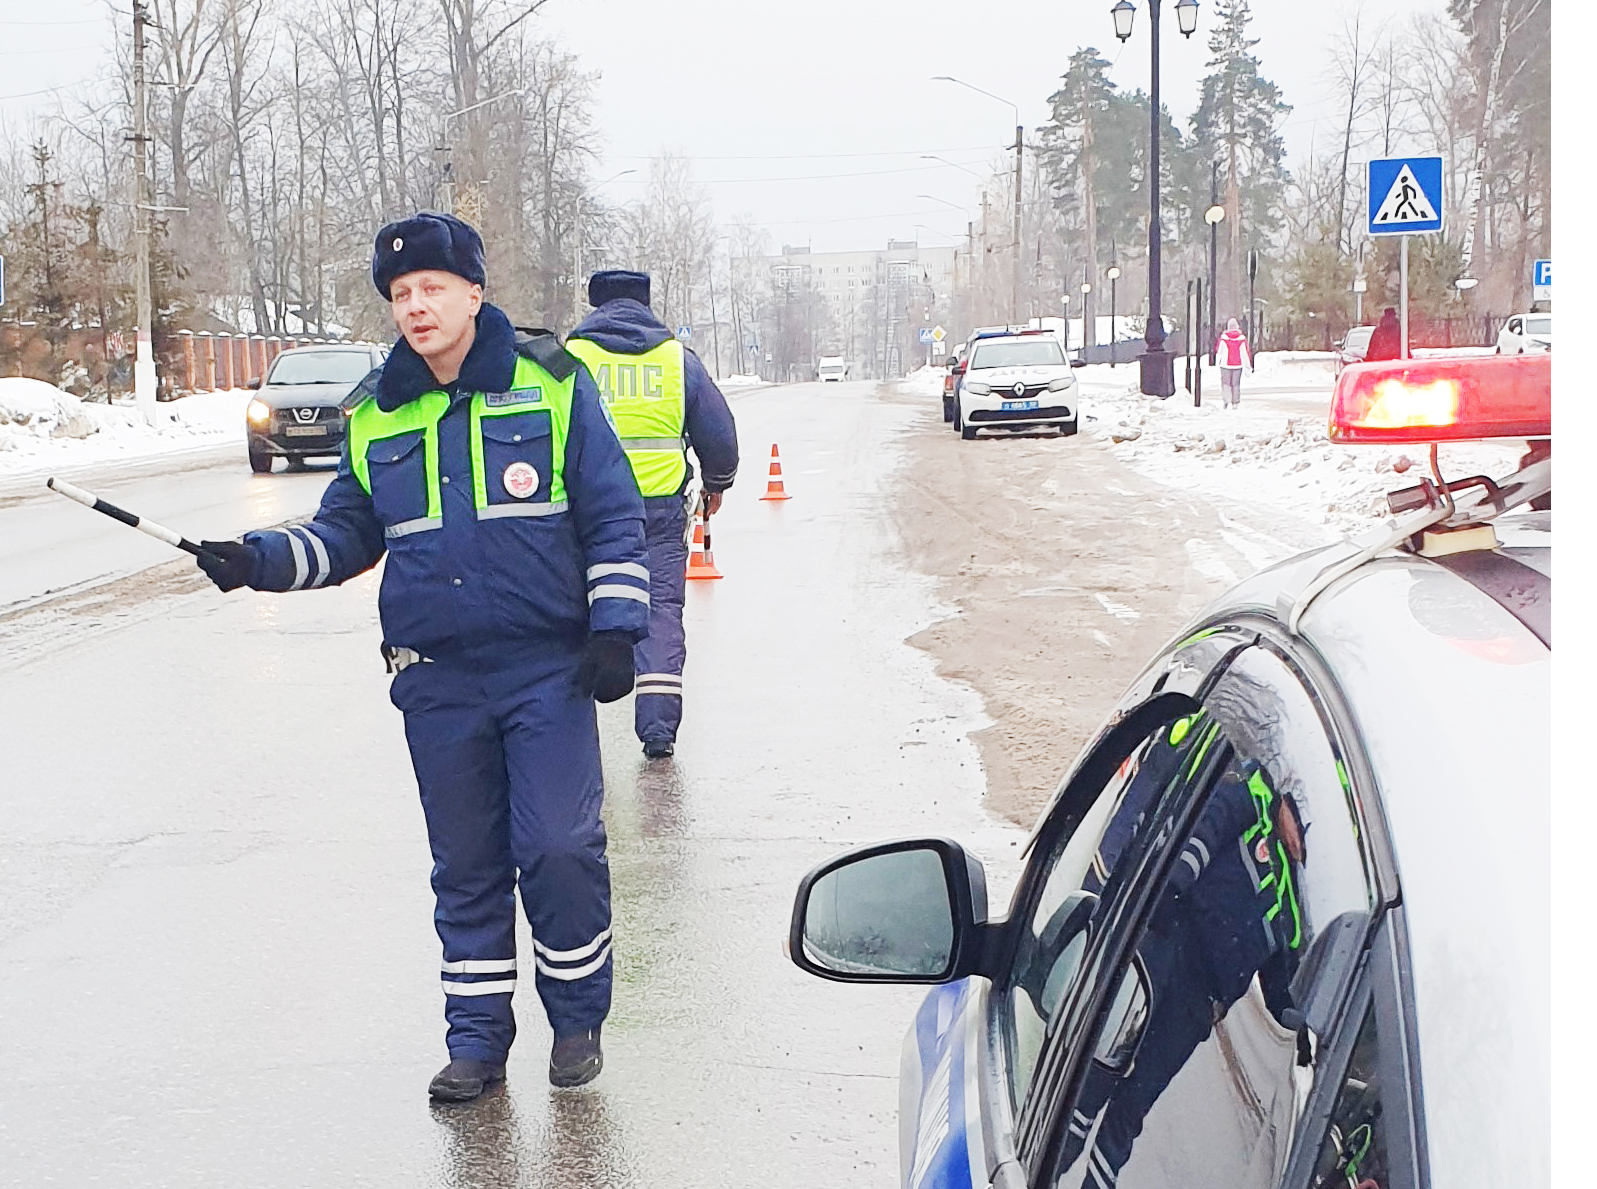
(229, 564)
(605, 671)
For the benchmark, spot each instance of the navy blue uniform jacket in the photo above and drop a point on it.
(480, 584)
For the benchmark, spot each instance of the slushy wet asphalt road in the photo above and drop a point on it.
(217, 962)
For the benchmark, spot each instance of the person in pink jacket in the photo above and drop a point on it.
(1232, 353)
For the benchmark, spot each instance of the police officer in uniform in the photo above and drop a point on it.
(659, 394)
(483, 463)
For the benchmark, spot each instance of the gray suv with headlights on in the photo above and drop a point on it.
(298, 412)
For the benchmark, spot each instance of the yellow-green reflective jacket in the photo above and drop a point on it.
(647, 398)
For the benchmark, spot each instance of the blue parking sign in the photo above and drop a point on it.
(1541, 281)
(1405, 196)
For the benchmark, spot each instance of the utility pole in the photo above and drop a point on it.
(41, 191)
(1014, 299)
(144, 378)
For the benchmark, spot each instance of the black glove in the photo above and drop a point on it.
(229, 564)
(605, 671)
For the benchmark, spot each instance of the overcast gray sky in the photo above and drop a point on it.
(811, 118)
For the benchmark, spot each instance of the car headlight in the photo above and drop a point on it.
(1061, 384)
(976, 387)
(258, 412)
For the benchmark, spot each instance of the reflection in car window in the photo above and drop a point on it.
(1042, 351)
(1049, 953)
(1353, 1155)
(1205, 1084)
(320, 367)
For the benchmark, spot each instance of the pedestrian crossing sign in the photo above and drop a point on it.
(1405, 196)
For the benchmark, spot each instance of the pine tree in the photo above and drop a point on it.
(1236, 123)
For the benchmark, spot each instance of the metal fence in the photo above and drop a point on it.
(1424, 331)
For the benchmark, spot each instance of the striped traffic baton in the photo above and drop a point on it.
(159, 531)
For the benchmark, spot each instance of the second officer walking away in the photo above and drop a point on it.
(662, 400)
(481, 461)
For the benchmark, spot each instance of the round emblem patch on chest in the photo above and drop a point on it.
(1263, 850)
(521, 479)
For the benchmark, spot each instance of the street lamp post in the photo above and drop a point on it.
(1019, 147)
(444, 196)
(1114, 333)
(1064, 300)
(576, 262)
(1214, 216)
(1158, 365)
(1088, 338)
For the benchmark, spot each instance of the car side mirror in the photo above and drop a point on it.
(912, 911)
(253, 382)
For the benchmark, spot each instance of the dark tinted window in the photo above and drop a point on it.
(1353, 1153)
(1060, 916)
(1202, 1059)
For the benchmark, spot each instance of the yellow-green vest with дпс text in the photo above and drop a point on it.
(532, 390)
(647, 398)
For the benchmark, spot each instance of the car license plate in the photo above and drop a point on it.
(1015, 405)
(305, 431)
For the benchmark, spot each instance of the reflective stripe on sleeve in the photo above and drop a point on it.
(480, 966)
(324, 568)
(301, 562)
(420, 525)
(661, 678)
(502, 986)
(628, 568)
(500, 511)
(1191, 861)
(614, 590)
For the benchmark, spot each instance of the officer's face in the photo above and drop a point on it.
(433, 309)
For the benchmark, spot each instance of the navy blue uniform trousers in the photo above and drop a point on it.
(658, 658)
(506, 754)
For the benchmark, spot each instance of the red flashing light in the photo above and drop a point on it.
(1449, 399)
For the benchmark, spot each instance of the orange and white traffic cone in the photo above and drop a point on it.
(701, 562)
(773, 486)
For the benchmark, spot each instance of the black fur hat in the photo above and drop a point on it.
(614, 283)
(427, 240)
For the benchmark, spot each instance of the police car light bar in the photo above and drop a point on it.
(1457, 399)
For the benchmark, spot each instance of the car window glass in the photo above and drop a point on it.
(1050, 950)
(1358, 339)
(1037, 352)
(320, 367)
(1353, 1154)
(1538, 326)
(1205, 1053)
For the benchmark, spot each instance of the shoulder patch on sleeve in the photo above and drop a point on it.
(543, 347)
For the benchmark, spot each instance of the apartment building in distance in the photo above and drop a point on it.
(867, 306)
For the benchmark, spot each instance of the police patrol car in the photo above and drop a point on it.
(1285, 922)
(1017, 381)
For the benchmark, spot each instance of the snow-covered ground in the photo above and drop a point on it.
(1273, 450)
(42, 427)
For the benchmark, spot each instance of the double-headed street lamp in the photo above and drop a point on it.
(1158, 365)
(1114, 332)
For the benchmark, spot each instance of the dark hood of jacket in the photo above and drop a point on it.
(490, 365)
(623, 325)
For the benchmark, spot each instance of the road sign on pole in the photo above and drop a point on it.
(925, 334)
(1405, 196)
(1541, 281)
(684, 333)
(938, 334)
